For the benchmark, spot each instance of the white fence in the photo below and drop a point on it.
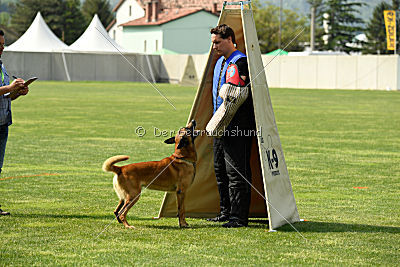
(323, 72)
(334, 72)
(313, 72)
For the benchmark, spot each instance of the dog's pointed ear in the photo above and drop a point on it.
(170, 140)
(183, 142)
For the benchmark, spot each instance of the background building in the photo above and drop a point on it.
(181, 26)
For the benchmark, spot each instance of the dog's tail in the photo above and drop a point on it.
(108, 165)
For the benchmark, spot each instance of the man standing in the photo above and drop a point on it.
(232, 150)
(8, 92)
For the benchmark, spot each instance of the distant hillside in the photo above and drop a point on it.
(304, 8)
(300, 6)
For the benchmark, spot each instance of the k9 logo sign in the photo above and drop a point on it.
(272, 158)
(273, 162)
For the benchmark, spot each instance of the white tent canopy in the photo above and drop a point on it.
(38, 38)
(96, 39)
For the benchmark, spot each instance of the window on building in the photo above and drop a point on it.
(145, 44)
(130, 11)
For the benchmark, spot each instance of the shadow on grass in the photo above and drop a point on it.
(176, 227)
(75, 216)
(253, 223)
(331, 227)
(194, 224)
(197, 223)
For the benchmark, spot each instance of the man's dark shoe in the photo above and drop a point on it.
(4, 212)
(233, 224)
(219, 218)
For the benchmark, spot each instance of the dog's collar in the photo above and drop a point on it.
(182, 158)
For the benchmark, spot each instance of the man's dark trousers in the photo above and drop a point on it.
(231, 163)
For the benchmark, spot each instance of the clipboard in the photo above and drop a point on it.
(30, 80)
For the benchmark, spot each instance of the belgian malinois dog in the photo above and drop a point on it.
(174, 174)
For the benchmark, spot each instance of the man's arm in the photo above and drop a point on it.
(243, 69)
(16, 88)
(16, 85)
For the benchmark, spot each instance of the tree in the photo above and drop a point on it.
(319, 31)
(266, 18)
(396, 4)
(74, 21)
(26, 10)
(376, 32)
(101, 8)
(62, 16)
(343, 24)
(4, 18)
(11, 35)
(396, 7)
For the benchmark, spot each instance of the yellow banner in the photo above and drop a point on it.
(390, 22)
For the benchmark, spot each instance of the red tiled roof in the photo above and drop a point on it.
(111, 24)
(206, 4)
(165, 16)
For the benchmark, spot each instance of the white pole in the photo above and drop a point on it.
(280, 26)
(65, 66)
(312, 41)
(150, 69)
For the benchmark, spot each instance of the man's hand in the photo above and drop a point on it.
(17, 88)
(17, 84)
(24, 91)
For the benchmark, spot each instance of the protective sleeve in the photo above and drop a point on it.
(234, 97)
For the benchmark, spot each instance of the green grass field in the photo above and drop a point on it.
(342, 150)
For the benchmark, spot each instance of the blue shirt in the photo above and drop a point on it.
(5, 100)
(217, 100)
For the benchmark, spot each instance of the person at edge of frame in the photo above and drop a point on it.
(8, 92)
(232, 152)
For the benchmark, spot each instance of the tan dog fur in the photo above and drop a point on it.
(173, 174)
